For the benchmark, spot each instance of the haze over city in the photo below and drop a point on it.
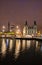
(18, 11)
(20, 32)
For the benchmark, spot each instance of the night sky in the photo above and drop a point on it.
(18, 11)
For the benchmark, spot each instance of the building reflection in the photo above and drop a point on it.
(28, 44)
(3, 48)
(23, 45)
(10, 45)
(20, 46)
(17, 48)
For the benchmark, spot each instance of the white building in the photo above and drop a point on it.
(27, 30)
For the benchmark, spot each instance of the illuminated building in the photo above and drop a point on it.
(18, 31)
(25, 29)
(12, 27)
(30, 30)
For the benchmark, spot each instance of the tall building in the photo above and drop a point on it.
(25, 29)
(8, 26)
(35, 27)
(29, 30)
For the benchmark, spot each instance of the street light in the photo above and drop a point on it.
(18, 31)
(3, 28)
(17, 27)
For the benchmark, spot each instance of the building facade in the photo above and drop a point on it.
(30, 30)
(25, 29)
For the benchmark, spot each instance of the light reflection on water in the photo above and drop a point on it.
(7, 42)
(36, 44)
(3, 48)
(28, 44)
(17, 49)
(10, 45)
(23, 45)
(18, 45)
(41, 48)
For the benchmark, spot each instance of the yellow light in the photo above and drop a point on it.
(18, 31)
(39, 33)
(24, 31)
(3, 27)
(17, 26)
(10, 33)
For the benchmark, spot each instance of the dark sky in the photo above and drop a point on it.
(18, 11)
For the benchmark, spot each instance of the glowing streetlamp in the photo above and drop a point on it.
(39, 33)
(3, 28)
(10, 30)
(18, 31)
(17, 27)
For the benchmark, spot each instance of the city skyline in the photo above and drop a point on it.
(18, 11)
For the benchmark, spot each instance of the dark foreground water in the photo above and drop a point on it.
(17, 52)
